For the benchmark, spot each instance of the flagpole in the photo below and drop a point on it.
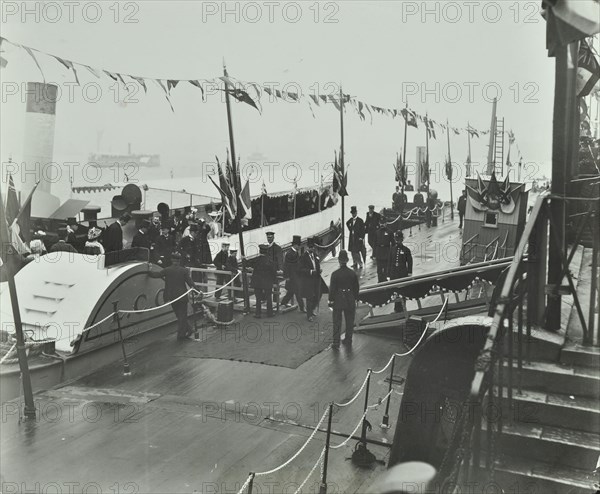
(319, 195)
(295, 185)
(404, 162)
(427, 150)
(469, 157)
(450, 176)
(343, 174)
(238, 220)
(262, 208)
(8, 254)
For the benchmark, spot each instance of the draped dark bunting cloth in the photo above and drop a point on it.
(455, 280)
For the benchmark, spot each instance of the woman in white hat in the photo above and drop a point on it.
(93, 245)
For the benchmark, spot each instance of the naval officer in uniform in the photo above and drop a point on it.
(383, 246)
(400, 264)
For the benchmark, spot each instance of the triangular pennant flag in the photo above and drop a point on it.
(198, 85)
(95, 72)
(141, 82)
(30, 51)
(111, 75)
(162, 86)
(410, 117)
(315, 99)
(69, 65)
(12, 201)
(171, 84)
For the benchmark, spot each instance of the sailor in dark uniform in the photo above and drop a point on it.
(275, 253)
(343, 293)
(291, 266)
(371, 225)
(400, 264)
(383, 246)
(264, 275)
(220, 262)
(462, 207)
(177, 279)
(141, 238)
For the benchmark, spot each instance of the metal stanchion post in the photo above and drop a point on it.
(323, 486)
(195, 316)
(251, 484)
(386, 417)
(361, 455)
(126, 369)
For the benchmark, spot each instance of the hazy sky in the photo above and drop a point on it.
(378, 50)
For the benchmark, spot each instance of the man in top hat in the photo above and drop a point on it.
(141, 238)
(264, 276)
(220, 262)
(372, 224)
(164, 245)
(113, 236)
(311, 283)
(356, 238)
(177, 279)
(291, 271)
(343, 293)
(383, 245)
(400, 264)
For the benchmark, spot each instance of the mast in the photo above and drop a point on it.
(404, 161)
(468, 174)
(427, 150)
(342, 167)
(9, 255)
(234, 166)
(450, 174)
(491, 165)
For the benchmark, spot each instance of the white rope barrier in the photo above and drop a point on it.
(319, 462)
(386, 365)
(157, 307)
(217, 289)
(8, 353)
(341, 405)
(330, 244)
(283, 465)
(245, 484)
(97, 323)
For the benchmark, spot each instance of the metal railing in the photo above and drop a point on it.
(521, 307)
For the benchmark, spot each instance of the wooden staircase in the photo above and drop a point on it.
(550, 439)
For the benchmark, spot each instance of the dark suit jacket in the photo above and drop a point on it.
(383, 244)
(372, 223)
(311, 283)
(357, 234)
(220, 259)
(401, 263)
(177, 278)
(141, 240)
(275, 253)
(264, 274)
(62, 246)
(291, 264)
(343, 288)
(462, 204)
(112, 238)
(163, 248)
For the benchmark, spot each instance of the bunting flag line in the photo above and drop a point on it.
(263, 189)
(410, 117)
(430, 129)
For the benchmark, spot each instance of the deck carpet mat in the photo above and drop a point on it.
(286, 340)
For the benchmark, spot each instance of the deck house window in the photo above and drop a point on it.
(491, 219)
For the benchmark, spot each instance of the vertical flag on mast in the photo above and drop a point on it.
(12, 202)
(245, 201)
(23, 219)
(340, 178)
(400, 169)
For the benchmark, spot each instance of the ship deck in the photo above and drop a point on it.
(185, 423)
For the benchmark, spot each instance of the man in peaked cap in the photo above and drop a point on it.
(400, 264)
(177, 279)
(371, 224)
(164, 245)
(291, 271)
(343, 293)
(264, 276)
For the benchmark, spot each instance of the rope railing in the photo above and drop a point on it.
(342, 405)
(329, 244)
(312, 470)
(416, 210)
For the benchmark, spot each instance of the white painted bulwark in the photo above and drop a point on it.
(62, 293)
